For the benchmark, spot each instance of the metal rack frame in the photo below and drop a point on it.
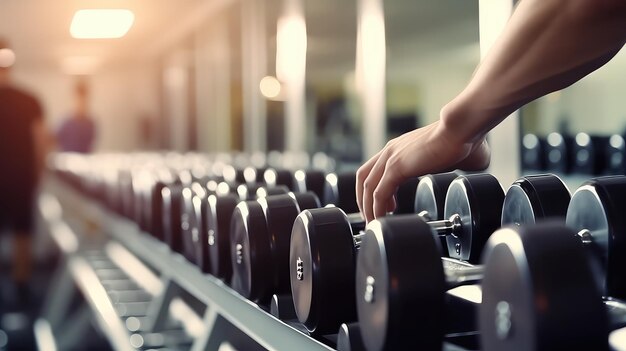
(229, 319)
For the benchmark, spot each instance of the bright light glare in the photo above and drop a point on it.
(101, 23)
(291, 41)
(7, 58)
(270, 87)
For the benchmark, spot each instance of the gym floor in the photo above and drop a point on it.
(19, 309)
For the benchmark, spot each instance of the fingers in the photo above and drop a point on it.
(385, 190)
(371, 183)
(361, 175)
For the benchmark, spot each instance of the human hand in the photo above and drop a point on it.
(431, 149)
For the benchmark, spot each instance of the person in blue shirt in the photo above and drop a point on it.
(78, 132)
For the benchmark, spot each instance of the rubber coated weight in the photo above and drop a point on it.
(275, 177)
(430, 198)
(321, 266)
(430, 195)
(535, 197)
(188, 225)
(340, 190)
(597, 207)
(252, 192)
(249, 214)
(615, 155)
(172, 205)
(477, 199)
(274, 232)
(309, 180)
(405, 196)
(538, 292)
(349, 338)
(200, 203)
(400, 285)
(219, 210)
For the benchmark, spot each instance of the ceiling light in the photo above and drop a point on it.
(101, 23)
(7, 58)
(270, 87)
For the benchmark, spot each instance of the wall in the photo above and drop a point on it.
(119, 97)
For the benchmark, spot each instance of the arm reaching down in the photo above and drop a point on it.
(547, 45)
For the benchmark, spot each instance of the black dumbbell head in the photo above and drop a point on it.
(219, 210)
(349, 337)
(615, 155)
(535, 197)
(275, 177)
(253, 175)
(598, 207)
(400, 285)
(250, 245)
(533, 152)
(538, 292)
(188, 225)
(321, 268)
(340, 190)
(477, 199)
(558, 149)
(309, 180)
(254, 191)
(172, 206)
(405, 196)
(430, 195)
(200, 203)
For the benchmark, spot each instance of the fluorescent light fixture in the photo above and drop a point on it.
(101, 23)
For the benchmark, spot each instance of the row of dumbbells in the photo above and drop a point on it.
(286, 247)
(583, 153)
(108, 176)
(548, 267)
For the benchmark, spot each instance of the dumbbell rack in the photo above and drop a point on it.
(85, 231)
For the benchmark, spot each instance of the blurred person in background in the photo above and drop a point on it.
(78, 131)
(23, 144)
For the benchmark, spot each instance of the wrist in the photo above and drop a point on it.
(467, 118)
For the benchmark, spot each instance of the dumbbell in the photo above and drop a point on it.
(533, 154)
(334, 183)
(538, 292)
(430, 197)
(261, 230)
(393, 307)
(587, 156)
(323, 249)
(259, 243)
(257, 248)
(596, 213)
(557, 151)
(615, 155)
(177, 209)
(535, 197)
(215, 213)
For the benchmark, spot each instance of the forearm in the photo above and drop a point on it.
(546, 46)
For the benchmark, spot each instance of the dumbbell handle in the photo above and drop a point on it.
(442, 227)
(447, 226)
(456, 274)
